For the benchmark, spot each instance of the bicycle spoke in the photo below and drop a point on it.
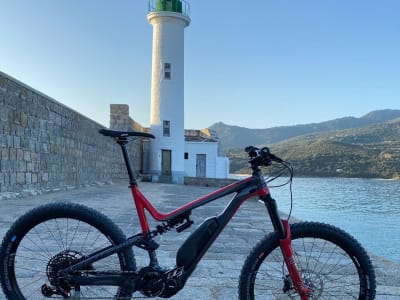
(77, 226)
(324, 267)
(52, 234)
(45, 241)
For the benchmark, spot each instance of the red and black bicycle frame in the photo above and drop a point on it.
(203, 237)
(197, 244)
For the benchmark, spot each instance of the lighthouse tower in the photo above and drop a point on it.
(169, 19)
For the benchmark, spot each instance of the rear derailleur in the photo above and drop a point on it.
(58, 284)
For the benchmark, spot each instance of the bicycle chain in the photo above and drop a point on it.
(124, 298)
(100, 298)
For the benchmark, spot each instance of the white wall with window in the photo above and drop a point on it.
(201, 160)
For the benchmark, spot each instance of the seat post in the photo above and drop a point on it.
(122, 142)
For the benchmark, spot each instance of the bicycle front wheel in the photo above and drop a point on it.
(331, 263)
(52, 237)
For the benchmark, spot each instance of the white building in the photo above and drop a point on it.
(201, 156)
(172, 158)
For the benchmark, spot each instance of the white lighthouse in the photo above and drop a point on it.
(169, 19)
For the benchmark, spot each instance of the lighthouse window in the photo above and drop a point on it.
(166, 128)
(169, 5)
(167, 71)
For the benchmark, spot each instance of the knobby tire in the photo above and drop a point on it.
(330, 261)
(45, 238)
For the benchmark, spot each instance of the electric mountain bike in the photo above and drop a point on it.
(70, 251)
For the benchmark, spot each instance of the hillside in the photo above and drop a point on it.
(368, 151)
(240, 137)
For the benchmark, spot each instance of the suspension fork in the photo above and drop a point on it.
(282, 227)
(290, 261)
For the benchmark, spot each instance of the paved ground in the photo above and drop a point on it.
(216, 277)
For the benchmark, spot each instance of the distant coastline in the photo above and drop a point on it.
(349, 147)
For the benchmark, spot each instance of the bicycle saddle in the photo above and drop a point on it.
(122, 134)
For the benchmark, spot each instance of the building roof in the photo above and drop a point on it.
(203, 135)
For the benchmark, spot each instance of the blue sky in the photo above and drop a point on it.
(258, 64)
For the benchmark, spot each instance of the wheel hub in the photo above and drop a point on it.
(315, 283)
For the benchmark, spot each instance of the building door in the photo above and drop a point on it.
(200, 165)
(166, 162)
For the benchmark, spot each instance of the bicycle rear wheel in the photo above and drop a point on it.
(331, 262)
(52, 237)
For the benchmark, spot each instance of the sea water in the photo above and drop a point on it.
(368, 209)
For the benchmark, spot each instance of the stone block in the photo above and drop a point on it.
(24, 119)
(3, 141)
(20, 154)
(34, 156)
(13, 153)
(45, 177)
(27, 156)
(10, 141)
(13, 178)
(3, 115)
(20, 165)
(6, 178)
(40, 123)
(29, 167)
(25, 141)
(19, 130)
(28, 178)
(21, 178)
(5, 154)
(17, 141)
(6, 129)
(34, 177)
(3, 166)
(16, 115)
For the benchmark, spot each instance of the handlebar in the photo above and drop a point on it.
(261, 157)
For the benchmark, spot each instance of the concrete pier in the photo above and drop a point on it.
(216, 276)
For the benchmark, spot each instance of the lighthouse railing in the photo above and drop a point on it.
(177, 6)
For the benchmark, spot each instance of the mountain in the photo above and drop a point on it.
(240, 137)
(371, 151)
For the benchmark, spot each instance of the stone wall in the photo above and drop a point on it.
(45, 145)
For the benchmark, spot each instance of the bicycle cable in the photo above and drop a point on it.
(285, 166)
